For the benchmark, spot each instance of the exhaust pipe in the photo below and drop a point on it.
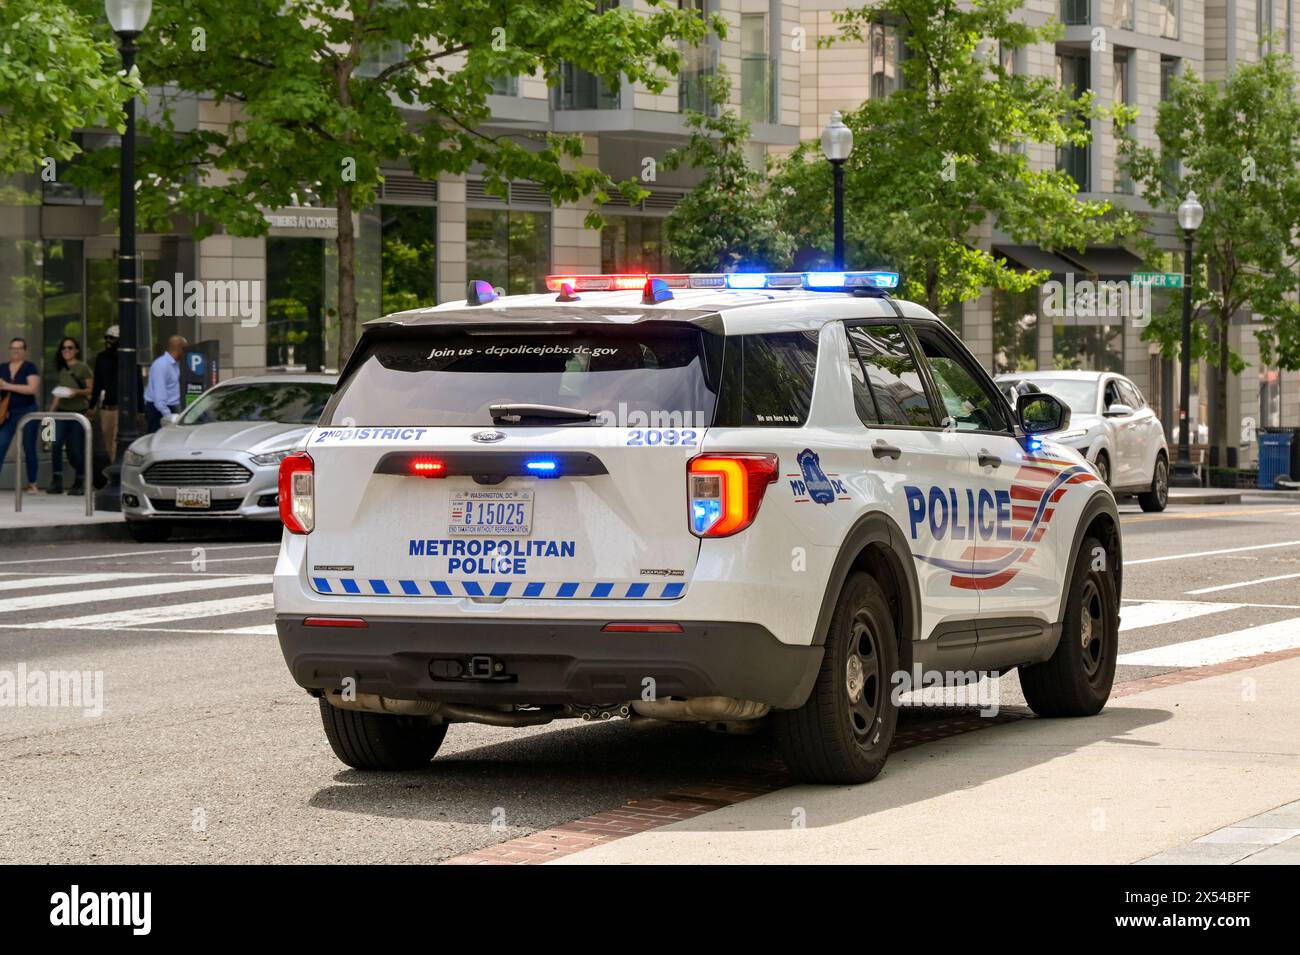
(454, 712)
(703, 709)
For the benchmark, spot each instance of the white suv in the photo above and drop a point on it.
(690, 500)
(1111, 425)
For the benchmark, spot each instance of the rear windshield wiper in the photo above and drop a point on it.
(516, 412)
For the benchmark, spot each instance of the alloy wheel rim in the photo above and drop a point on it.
(1092, 628)
(863, 682)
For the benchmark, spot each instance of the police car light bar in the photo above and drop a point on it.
(815, 281)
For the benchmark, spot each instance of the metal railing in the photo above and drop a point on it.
(86, 457)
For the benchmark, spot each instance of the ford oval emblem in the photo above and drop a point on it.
(487, 437)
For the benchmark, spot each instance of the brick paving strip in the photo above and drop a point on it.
(689, 802)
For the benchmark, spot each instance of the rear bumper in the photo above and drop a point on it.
(549, 661)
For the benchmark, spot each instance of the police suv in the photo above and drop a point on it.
(708, 498)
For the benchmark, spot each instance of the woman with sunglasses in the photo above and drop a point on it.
(76, 384)
(20, 383)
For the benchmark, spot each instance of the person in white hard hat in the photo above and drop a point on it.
(105, 400)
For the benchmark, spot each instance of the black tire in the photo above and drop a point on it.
(833, 737)
(149, 532)
(1157, 499)
(1076, 681)
(381, 741)
(1102, 464)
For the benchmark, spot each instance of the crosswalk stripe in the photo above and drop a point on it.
(1245, 583)
(143, 616)
(1266, 638)
(27, 582)
(13, 605)
(1158, 612)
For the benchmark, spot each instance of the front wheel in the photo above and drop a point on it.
(1157, 499)
(381, 741)
(1076, 680)
(843, 732)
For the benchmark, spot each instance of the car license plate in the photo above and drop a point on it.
(193, 497)
(491, 513)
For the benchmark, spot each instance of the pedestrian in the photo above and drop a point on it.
(20, 383)
(74, 388)
(106, 391)
(162, 394)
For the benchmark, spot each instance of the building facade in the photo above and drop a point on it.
(424, 240)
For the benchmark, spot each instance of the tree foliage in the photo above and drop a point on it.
(947, 152)
(325, 92)
(730, 221)
(1238, 143)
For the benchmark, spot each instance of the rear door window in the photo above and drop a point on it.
(892, 375)
(634, 377)
(767, 380)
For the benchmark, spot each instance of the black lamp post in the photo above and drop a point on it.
(837, 143)
(1190, 214)
(128, 19)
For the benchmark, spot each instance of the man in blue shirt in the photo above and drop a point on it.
(162, 394)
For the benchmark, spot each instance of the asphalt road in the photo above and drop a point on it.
(206, 751)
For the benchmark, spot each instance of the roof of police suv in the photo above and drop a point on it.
(740, 310)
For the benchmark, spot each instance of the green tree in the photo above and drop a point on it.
(325, 91)
(947, 152)
(58, 74)
(1238, 143)
(730, 221)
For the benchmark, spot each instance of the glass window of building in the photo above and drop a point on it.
(1015, 331)
(1075, 12)
(634, 244)
(886, 54)
(1122, 73)
(505, 85)
(509, 248)
(1264, 23)
(1073, 75)
(698, 64)
(297, 278)
(1124, 10)
(1169, 16)
(579, 89)
(408, 257)
(757, 71)
(1168, 70)
(1088, 347)
(377, 57)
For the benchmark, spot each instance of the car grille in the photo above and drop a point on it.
(197, 473)
(222, 504)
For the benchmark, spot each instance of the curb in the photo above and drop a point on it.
(61, 533)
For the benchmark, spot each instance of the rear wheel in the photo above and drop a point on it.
(843, 733)
(1157, 499)
(149, 532)
(1076, 681)
(381, 741)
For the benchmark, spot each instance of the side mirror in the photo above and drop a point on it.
(1118, 410)
(1040, 413)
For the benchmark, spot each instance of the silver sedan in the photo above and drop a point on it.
(220, 457)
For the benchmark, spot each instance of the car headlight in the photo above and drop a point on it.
(133, 458)
(1071, 435)
(271, 458)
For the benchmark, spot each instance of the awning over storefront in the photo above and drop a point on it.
(1111, 264)
(1031, 257)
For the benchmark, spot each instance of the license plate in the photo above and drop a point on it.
(491, 513)
(193, 497)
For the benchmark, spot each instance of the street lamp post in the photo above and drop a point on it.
(128, 19)
(837, 143)
(1190, 214)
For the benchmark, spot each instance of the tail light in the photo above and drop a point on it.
(724, 491)
(428, 467)
(297, 493)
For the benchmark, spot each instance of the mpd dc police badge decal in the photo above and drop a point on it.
(818, 484)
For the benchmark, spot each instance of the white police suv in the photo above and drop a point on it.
(684, 497)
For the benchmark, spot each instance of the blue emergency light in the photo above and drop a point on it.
(544, 467)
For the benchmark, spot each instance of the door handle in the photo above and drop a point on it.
(882, 450)
(989, 460)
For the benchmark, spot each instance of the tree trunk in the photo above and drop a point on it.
(1219, 417)
(347, 249)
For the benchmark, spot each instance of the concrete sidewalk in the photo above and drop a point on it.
(49, 518)
(1156, 770)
